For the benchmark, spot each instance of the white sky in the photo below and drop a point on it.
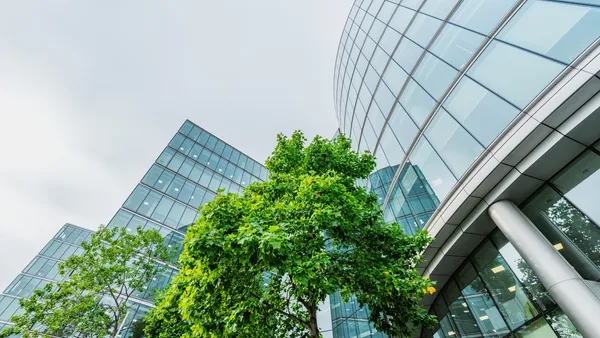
(91, 92)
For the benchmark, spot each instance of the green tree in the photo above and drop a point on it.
(93, 300)
(259, 264)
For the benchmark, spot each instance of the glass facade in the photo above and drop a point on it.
(432, 83)
(42, 270)
(427, 86)
(189, 172)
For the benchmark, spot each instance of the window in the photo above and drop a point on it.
(417, 103)
(482, 112)
(435, 171)
(456, 45)
(512, 73)
(423, 29)
(453, 143)
(558, 30)
(481, 15)
(434, 75)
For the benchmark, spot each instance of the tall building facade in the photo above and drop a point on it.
(188, 173)
(42, 270)
(494, 106)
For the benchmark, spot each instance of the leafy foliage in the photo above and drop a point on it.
(92, 302)
(259, 264)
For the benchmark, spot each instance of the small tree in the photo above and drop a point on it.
(93, 301)
(259, 264)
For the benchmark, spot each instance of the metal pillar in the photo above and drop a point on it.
(568, 289)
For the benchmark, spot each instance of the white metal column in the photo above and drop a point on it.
(565, 285)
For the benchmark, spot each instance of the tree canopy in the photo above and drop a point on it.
(93, 300)
(259, 264)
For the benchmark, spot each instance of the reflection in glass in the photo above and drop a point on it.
(480, 15)
(579, 183)
(562, 324)
(500, 281)
(457, 148)
(571, 232)
(482, 113)
(479, 302)
(456, 45)
(558, 30)
(417, 102)
(434, 75)
(433, 168)
(512, 73)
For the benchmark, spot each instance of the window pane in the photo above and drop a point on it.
(136, 198)
(438, 8)
(163, 208)
(164, 181)
(483, 113)
(166, 156)
(407, 54)
(558, 30)
(417, 102)
(503, 286)
(434, 75)
(523, 272)
(481, 15)
(580, 182)
(573, 234)
(403, 126)
(394, 77)
(480, 303)
(456, 45)
(537, 329)
(150, 202)
(422, 29)
(519, 80)
(401, 19)
(435, 171)
(456, 147)
(152, 175)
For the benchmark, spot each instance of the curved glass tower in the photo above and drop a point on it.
(468, 103)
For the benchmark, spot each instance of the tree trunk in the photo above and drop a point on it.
(314, 327)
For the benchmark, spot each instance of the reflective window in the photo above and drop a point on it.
(401, 19)
(414, 4)
(438, 8)
(483, 113)
(417, 103)
(514, 74)
(433, 168)
(558, 30)
(407, 54)
(538, 328)
(386, 11)
(422, 29)
(579, 182)
(403, 126)
(502, 284)
(456, 45)
(391, 147)
(434, 75)
(456, 147)
(389, 40)
(481, 15)
(575, 236)
(394, 77)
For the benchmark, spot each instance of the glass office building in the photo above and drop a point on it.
(494, 105)
(187, 174)
(42, 270)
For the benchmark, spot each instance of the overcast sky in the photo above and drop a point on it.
(92, 91)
